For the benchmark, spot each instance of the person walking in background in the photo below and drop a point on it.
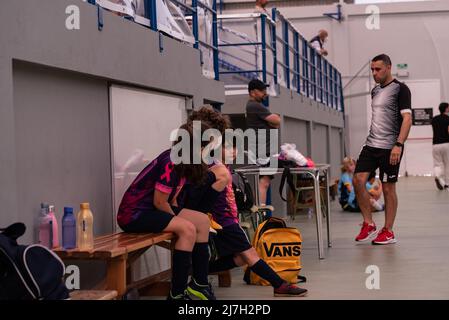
(390, 126)
(318, 41)
(440, 152)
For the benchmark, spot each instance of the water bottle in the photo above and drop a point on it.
(68, 229)
(54, 230)
(85, 228)
(45, 227)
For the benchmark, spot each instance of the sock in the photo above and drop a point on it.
(377, 205)
(222, 264)
(180, 271)
(263, 270)
(200, 263)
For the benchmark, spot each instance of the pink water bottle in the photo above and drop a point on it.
(45, 227)
(54, 228)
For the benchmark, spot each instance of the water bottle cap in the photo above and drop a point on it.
(51, 208)
(68, 210)
(45, 205)
(85, 205)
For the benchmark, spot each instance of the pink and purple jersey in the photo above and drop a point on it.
(138, 199)
(225, 211)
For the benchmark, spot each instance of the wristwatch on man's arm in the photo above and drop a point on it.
(398, 144)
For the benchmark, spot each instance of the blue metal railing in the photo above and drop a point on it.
(302, 68)
(282, 55)
(151, 15)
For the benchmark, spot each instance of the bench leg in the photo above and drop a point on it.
(116, 275)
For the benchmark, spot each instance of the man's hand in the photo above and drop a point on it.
(395, 155)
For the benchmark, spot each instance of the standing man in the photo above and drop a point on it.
(440, 152)
(390, 126)
(318, 42)
(259, 117)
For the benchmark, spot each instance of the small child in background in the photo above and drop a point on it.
(346, 191)
(374, 188)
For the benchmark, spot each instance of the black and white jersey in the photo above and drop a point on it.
(388, 104)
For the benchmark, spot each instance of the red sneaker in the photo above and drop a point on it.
(368, 232)
(385, 237)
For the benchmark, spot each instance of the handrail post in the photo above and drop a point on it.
(342, 99)
(305, 54)
(320, 76)
(336, 88)
(286, 52)
(297, 67)
(313, 75)
(274, 46)
(264, 48)
(150, 13)
(195, 23)
(215, 39)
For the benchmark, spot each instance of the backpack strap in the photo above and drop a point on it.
(286, 176)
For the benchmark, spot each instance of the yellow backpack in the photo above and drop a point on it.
(280, 247)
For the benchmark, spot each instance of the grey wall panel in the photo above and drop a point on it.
(62, 144)
(319, 143)
(335, 152)
(295, 131)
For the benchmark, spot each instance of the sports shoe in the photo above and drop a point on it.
(203, 292)
(439, 185)
(366, 233)
(384, 237)
(182, 296)
(289, 290)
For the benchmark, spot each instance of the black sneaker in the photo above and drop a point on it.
(203, 292)
(289, 290)
(182, 296)
(438, 183)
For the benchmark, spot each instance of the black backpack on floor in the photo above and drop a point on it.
(29, 272)
(242, 191)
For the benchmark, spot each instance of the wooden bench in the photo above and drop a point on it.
(93, 295)
(120, 251)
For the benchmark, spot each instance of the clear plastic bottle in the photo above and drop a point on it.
(85, 228)
(68, 229)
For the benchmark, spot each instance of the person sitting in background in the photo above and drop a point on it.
(374, 188)
(347, 198)
(318, 41)
(261, 6)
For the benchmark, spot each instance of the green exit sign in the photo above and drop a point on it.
(402, 66)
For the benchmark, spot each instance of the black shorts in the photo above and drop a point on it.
(154, 221)
(371, 158)
(231, 240)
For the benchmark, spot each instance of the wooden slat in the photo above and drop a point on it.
(93, 295)
(159, 277)
(110, 246)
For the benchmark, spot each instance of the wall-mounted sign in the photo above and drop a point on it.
(422, 117)
(402, 66)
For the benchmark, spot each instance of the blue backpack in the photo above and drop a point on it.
(29, 272)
